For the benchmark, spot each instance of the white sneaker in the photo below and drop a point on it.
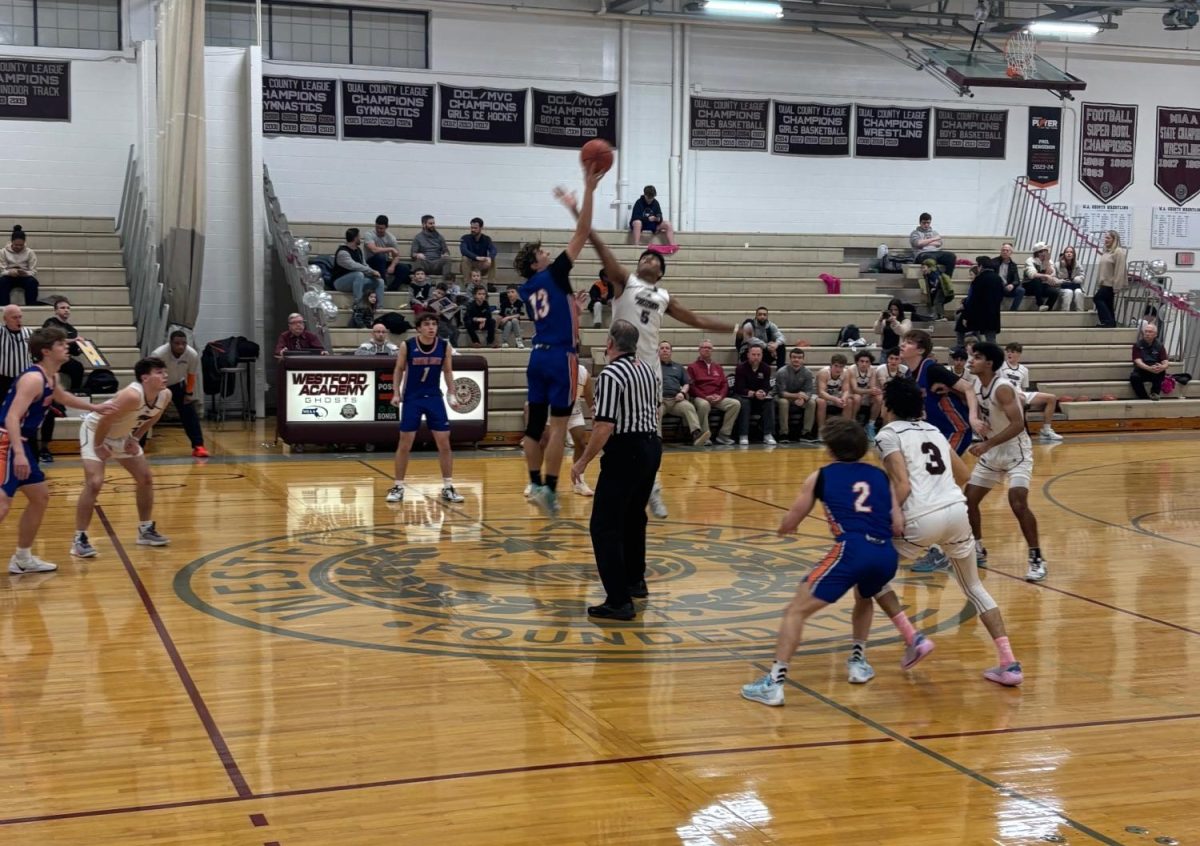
(149, 536)
(504, 346)
(520, 344)
(582, 489)
(743, 442)
(769, 440)
(1048, 434)
(859, 671)
(657, 507)
(395, 494)
(32, 565)
(1037, 570)
(529, 490)
(449, 494)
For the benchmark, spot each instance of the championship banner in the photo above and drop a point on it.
(1044, 146)
(1177, 153)
(571, 119)
(297, 106)
(1107, 139)
(392, 111)
(481, 115)
(811, 129)
(32, 90)
(891, 132)
(969, 134)
(728, 124)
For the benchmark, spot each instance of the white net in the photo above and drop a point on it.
(1020, 51)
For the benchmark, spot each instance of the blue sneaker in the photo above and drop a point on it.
(764, 690)
(545, 499)
(933, 561)
(980, 555)
(858, 671)
(871, 431)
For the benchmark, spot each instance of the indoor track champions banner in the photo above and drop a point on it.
(1107, 140)
(32, 90)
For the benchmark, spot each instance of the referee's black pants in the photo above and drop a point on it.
(618, 526)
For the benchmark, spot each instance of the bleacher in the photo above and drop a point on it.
(80, 258)
(727, 275)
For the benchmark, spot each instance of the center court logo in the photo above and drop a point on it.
(520, 590)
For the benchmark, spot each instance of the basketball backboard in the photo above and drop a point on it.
(989, 69)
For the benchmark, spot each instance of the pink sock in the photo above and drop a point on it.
(902, 624)
(1004, 650)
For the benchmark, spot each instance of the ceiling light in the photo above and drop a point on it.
(748, 8)
(1062, 28)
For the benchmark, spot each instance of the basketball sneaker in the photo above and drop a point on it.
(980, 554)
(82, 547)
(581, 488)
(451, 495)
(395, 494)
(546, 500)
(149, 536)
(859, 671)
(529, 490)
(1009, 676)
(915, 651)
(764, 690)
(32, 564)
(725, 440)
(1037, 568)
(657, 507)
(932, 561)
(1048, 434)
(769, 440)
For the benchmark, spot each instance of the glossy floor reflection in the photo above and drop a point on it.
(305, 664)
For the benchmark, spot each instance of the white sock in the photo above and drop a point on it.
(398, 483)
(24, 554)
(146, 524)
(447, 482)
(80, 535)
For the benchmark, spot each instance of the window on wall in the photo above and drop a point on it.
(322, 34)
(86, 24)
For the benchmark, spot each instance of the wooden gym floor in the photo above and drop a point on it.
(306, 665)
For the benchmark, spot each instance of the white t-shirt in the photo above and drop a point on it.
(882, 376)
(644, 306)
(130, 421)
(927, 457)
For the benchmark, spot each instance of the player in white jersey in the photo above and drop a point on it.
(834, 396)
(925, 473)
(116, 433)
(577, 425)
(866, 389)
(1018, 375)
(1006, 454)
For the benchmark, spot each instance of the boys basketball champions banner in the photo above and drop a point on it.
(1177, 153)
(1107, 140)
(1045, 146)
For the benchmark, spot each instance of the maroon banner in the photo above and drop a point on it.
(1107, 139)
(1177, 153)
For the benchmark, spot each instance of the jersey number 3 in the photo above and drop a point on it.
(864, 493)
(936, 465)
(541, 304)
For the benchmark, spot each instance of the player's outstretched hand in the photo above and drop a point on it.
(567, 198)
(592, 176)
(582, 299)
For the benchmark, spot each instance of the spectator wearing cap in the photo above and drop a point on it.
(1040, 281)
(478, 253)
(927, 244)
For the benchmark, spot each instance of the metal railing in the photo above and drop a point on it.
(1032, 219)
(1178, 320)
(293, 260)
(139, 252)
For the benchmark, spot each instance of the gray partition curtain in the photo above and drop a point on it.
(182, 194)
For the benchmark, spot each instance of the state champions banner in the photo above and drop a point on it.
(1177, 153)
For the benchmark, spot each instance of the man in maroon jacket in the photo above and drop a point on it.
(710, 389)
(752, 387)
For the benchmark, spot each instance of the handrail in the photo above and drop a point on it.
(293, 261)
(139, 253)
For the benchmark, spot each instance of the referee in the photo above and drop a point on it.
(625, 426)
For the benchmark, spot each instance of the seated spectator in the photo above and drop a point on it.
(647, 216)
(1010, 277)
(362, 313)
(762, 329)
(868, 396)
(1018, 375)
(18, 267)
(1040, 281)
(794, 394)
(892, 324)
(419, 287)
(478, 253)
(73, 368)
(297, 339)
(676, 396)
(709, 390)
(474, 283)
(1149, 316)
(959, 356)
(927, 244)
(429, 250)
(1150, 364)
(510, 313)
(351, 275)
(936, 287)
(1070, 275)
(599, 295)
(183, 368)
(383, 255)
(981, 308)
(479, 319)
(378, 343)
(447, 311)
(743, 339)
(833, 392)
(891, 368)
(752, 387)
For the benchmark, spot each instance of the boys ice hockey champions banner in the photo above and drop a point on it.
(299, 106)
(891, 132)
(728, 124)
(481, 115)
(811, 129)
(33, 90)
(1177, 154)
(395, 111)
(1045, 144)
(571, 119)
(1107, 136)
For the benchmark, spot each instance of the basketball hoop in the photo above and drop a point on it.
(1020, 51)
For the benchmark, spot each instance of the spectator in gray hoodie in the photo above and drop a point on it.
(429, 250)
(762, 329)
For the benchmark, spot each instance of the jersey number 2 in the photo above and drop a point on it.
(936, 465)
(864, 493)
(541, 304)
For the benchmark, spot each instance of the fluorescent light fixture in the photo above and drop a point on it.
(1062, 28)
(749, 8)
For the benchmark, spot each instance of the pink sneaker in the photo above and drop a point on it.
(664, 249)
(920, 647)
(1009, 676)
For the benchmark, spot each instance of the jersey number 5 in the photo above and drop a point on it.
(936, 465)
(864, 493)
(541, 304)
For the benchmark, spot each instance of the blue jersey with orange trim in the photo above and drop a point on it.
(948, 411)
(36, 413)
(547, 296)
(857, 498)
(424, 377)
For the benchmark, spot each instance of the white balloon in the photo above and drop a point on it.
(1158, 267)
(330, 309)
(302, 247)
(311, 298)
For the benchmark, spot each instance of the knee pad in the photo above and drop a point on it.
(538, 415)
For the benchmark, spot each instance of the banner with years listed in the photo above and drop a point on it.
(481, 115)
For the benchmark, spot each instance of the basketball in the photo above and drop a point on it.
(1108, 398)
(597, 154)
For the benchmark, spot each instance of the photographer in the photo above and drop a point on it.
(892, 325)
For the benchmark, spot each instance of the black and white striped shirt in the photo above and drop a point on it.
(14, 351)
(627, 396)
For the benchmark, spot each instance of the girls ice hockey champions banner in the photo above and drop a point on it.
(891, 132)
(392, 111)
(1045, 146)
(33, 90)
(571, 119)
(1177, 153)
(811, 129)
(1107, 138)
(481, 115)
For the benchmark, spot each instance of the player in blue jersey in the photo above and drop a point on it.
(421, 363)
(951, 407)
(21, 415)
(553, 361)
(864, 516)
